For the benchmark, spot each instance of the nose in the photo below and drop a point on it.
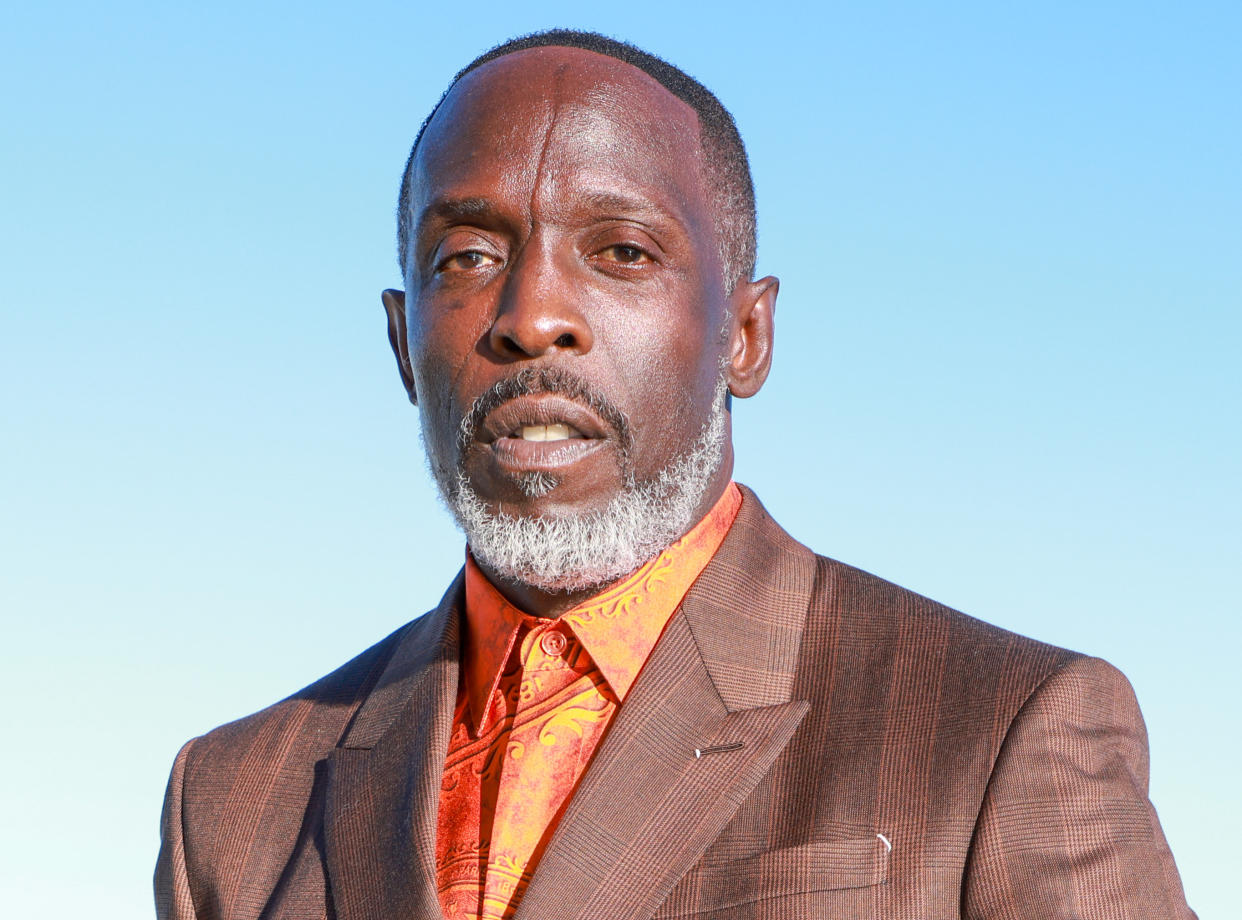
(540, 307)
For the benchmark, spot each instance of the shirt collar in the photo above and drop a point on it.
(617, 628)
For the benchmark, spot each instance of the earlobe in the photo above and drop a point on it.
(394, 306)
(753, 327)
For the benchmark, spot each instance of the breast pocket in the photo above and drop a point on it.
(787, 879)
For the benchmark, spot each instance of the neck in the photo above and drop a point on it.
(536, 601)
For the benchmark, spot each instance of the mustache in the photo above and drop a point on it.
(531, 381)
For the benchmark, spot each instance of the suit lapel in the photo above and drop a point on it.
(719, 681)
(383, 785)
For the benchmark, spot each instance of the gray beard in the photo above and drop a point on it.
(570, 553)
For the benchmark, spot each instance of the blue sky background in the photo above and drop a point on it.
(1006, 371)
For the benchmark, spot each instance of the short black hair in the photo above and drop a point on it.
(730, 188)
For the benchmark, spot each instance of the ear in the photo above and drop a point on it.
(394, 306)
(753, 305)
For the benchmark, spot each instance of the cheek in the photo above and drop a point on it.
(436, 358)
(669, 371)
(443, 339)
(429, 368)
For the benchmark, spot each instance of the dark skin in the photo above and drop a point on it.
(562, 222)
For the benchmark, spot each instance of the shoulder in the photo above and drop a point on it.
(291, 735)
(239, 797)
(255, 775)
(963, 742)
(918, 656)
(904, 615)
(870, 633)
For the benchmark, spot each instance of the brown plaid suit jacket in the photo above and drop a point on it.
(876, 755)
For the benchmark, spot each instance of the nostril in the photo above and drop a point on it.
(565, 341)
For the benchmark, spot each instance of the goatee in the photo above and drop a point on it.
(573, 553)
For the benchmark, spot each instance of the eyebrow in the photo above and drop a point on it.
(620, 205)
(469, 208)
(448, 210)
(601, 203)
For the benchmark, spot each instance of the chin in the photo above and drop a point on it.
(567, 542)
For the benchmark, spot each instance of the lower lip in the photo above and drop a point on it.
(520, 456)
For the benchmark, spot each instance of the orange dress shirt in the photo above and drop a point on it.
(536, 697)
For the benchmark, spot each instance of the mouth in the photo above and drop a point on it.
(542, 433)
(557, 431)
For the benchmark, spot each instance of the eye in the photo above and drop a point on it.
(465, 261)
(624, 254)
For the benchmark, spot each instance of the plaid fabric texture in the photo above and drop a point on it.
(805, 741)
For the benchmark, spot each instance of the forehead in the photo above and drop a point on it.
(546, 112)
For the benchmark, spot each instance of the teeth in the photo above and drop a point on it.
(545, 433)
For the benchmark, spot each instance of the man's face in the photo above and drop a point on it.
(566, 322)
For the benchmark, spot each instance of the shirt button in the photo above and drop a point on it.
(552, 643)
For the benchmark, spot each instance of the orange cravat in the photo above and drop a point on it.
(536, 697)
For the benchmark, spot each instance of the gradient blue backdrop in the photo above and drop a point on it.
(1006, 371)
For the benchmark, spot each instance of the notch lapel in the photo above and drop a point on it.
(383, 784)
(721, 676)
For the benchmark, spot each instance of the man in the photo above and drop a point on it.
(641, 698)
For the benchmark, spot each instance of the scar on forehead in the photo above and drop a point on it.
(555, 103)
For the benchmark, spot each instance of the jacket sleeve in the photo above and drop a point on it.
(172, 882)
(1066, 829)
